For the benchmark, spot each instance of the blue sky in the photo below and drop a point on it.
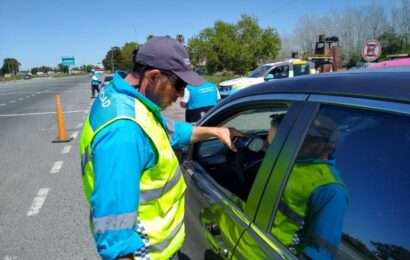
(40, 32)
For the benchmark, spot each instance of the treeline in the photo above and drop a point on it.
(353, 26)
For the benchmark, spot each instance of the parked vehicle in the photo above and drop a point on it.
(402, 62)
(284, 69)
(28, 76)
(238, 197)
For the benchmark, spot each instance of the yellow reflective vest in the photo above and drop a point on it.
(305, 178)
(162, 187)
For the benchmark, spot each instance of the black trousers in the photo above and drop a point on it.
(94, 88)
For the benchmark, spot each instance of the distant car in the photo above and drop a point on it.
(242, 198)
(28, 76)
(283, 69)
(401, 62)
(106, 80)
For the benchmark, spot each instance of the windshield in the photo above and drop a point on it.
(259, 71)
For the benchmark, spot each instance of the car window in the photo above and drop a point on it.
(259, 71)
(347, 192)
(300, 69)
(280, 72)
(235, 172)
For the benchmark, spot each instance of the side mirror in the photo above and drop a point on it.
(268, 77)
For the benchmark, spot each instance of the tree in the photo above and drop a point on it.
(62, 68)
(113, 58)
(126, 52)
(392, 43)
(10, 66)
(237, 47)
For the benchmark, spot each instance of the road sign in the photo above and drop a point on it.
(371, 50)
(68, 61)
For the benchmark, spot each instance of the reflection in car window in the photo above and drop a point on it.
(346, 193)
(280, 72)
(236, 172)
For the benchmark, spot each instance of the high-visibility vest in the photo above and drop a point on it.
(162, 187)
(305, 178)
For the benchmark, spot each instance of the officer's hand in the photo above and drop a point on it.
(227, 134)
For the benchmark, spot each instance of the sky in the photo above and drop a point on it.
(41, 32)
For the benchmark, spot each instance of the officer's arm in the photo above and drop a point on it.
(182, 133)
(120, 153)
(224, 134)
(327, 207)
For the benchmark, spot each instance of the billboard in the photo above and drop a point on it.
(67, 61)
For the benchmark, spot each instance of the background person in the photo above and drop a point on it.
(198, 100)
(131, 175)
(95, 83)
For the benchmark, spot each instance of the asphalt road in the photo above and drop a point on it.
(43, 213)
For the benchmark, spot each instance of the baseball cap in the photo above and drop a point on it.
(168, 54)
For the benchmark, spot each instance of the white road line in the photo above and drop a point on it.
(38, 92)
(27, 96)
(74, 135)
(12, 101)
(38, 202)
(20, 99)
(10, 257)
(56, 167)
(66, 149)
(2, 105)
(40, 113)
(79, 125)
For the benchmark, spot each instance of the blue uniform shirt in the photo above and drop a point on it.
(204, 95)
(327, 208)
(121, 152)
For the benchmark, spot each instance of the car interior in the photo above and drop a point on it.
(236, 171)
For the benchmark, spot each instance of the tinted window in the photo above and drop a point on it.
(348, 191)
(300, 69)
(280, 72)
(236, 172)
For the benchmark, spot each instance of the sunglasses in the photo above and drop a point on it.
(178, 83)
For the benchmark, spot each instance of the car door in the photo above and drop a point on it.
(362, 215)
(217, 194)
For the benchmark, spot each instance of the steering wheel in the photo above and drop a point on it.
(244, 145)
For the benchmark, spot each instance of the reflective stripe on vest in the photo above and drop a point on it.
(304, 179)
(162, 187)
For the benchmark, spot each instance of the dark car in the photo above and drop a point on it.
(106, 80)
(336, 168)
(27, 76)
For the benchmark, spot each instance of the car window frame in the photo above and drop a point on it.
(275, 187)
(226, 110)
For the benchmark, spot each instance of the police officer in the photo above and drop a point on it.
(198, 100)
(131, 176)
(95, 83)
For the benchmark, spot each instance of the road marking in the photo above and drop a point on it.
(1, 105)
(27, 96)
(40, 113)
(12, 101)
(20, 99)
(38, 202)
(66, 149)
(74, 135)
(79, 125)
(56, 167)
(10, 257)
(38, 92)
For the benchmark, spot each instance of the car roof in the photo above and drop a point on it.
(295, 61)
(384, 84)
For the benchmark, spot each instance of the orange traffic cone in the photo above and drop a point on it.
(61, 132)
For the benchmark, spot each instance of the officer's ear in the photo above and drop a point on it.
(152, 75)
